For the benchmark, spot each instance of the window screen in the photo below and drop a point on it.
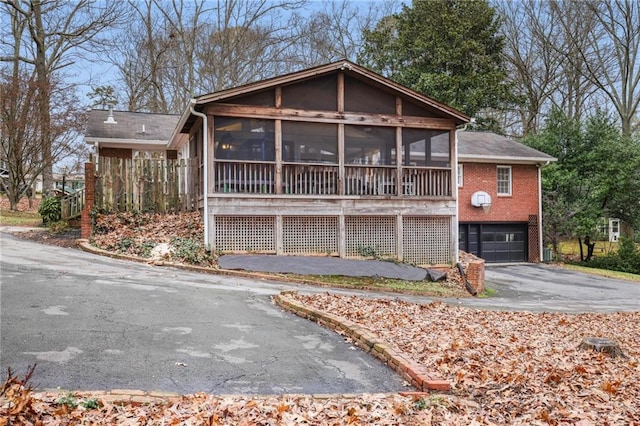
(309, 142)
(244, 139)
(422, 147)
(369, 145)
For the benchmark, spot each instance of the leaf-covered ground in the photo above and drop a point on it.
(173, 237)
(518, 367)
(506, 368)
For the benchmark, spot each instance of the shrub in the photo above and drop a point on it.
(50, 209)
(190, 251)
(58, 227)
(625, 259)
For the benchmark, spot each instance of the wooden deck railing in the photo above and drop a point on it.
(323, 179)
(72, 204)
(243, 176)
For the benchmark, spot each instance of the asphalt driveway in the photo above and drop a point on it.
(551, 288)
(94, 323)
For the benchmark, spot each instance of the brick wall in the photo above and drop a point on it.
(89, 199)
(522, 203)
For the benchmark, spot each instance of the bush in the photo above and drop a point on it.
(625, 259)
(50, 209)
(190, 251)
(58, 227)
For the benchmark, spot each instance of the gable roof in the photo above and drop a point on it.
(138, 130)
(187, 118)
(488, 147)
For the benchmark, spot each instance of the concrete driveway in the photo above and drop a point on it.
(550, 288)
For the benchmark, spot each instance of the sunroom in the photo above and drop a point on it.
(334, 160)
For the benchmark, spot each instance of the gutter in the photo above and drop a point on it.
(205, 176)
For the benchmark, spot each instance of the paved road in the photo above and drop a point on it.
(93, 323)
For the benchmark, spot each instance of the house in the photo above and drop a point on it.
(499, 197)
(337, 160)
(332, 160)
(125, 134)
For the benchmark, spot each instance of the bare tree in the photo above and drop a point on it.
(545, 63)
(52, 34)
(335, 32)
(22, 144)
(604, 45)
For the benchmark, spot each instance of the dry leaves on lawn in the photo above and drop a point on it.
(520, 367)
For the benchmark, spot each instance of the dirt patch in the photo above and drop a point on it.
(63, 239)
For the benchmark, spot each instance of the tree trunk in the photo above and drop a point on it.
(581, 251)
(590, 247)
(44, 96)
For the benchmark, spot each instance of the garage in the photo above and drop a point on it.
(495, 242)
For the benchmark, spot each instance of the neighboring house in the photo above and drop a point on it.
(123, 134)
(499, 197)
(333, 160)
(610, 228)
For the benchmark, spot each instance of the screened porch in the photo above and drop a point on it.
(283, 157)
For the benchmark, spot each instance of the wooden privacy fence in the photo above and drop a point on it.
(146, 185)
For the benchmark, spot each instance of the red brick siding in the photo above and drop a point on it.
(522, 203)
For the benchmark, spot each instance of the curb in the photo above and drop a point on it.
(127, 396)
(411, 371)
(84, 245)
(114, 396)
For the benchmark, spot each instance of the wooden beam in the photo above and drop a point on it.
(317, 116)
(341, 92)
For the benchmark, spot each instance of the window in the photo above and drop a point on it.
(460, 176)
(504, 180)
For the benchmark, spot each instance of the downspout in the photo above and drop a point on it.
(205, 175)
(455, 181)
(540, 241)
(457, 241)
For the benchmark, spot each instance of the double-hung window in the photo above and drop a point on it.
(503, 180)
(460, 176)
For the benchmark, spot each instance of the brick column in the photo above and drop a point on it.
(475, 274)
(89, 199)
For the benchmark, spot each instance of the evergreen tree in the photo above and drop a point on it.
(449, 50)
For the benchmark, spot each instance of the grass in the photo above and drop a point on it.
(604, 272)
(426, 288)
(571, 247)
(488, 292)
(15, 218)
